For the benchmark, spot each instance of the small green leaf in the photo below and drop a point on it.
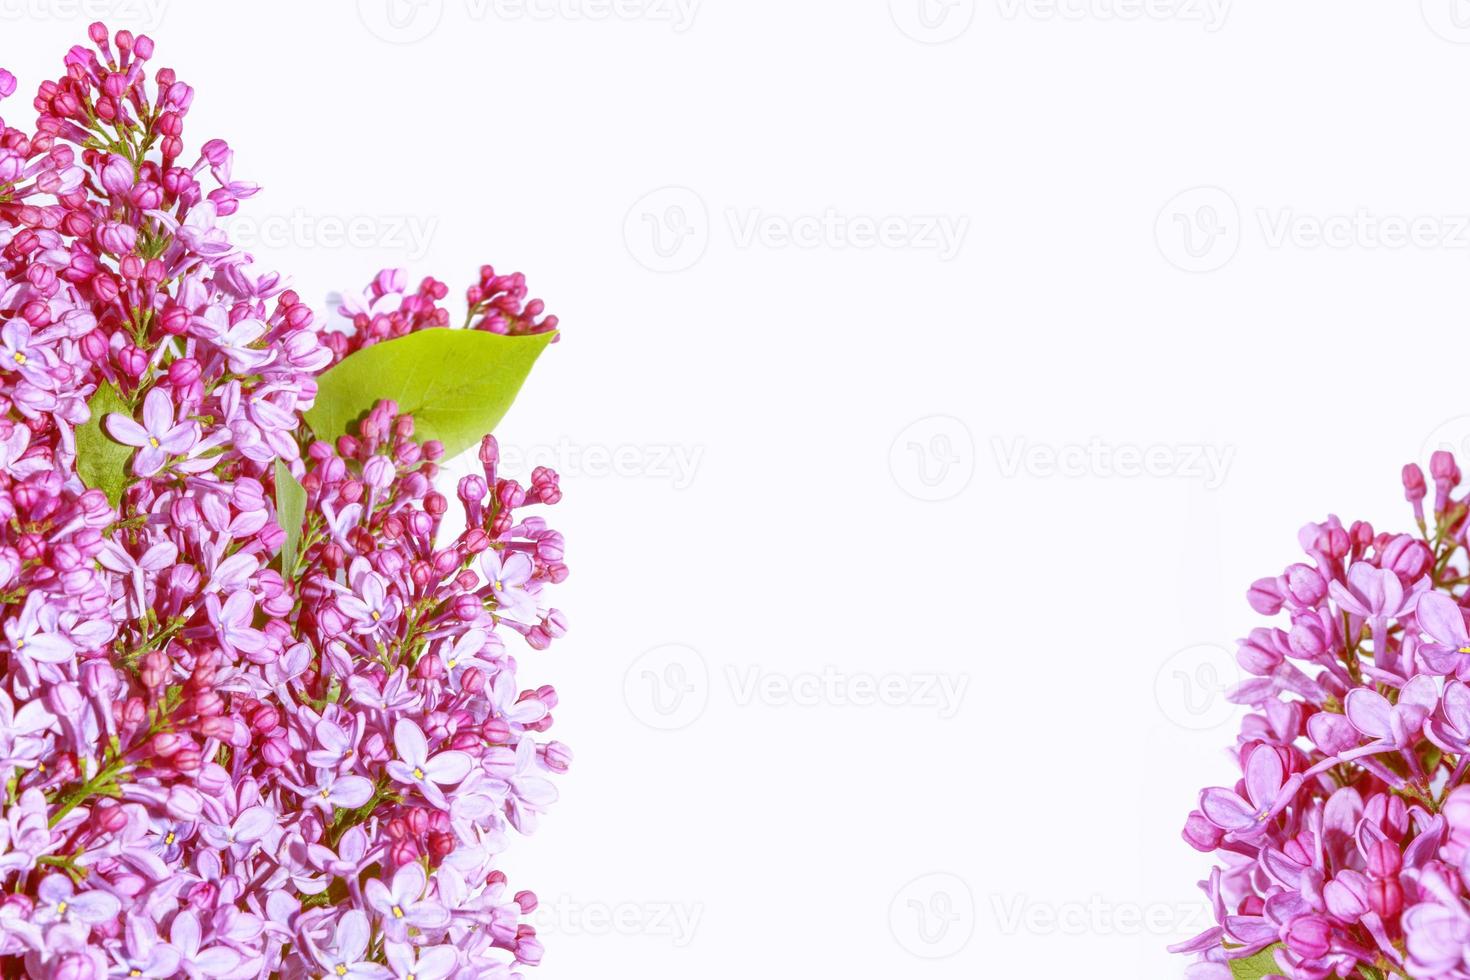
(290, 512)
(1263, 964)
(457, 384)
(102, 463)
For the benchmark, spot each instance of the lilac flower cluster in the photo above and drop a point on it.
(1344, 849)
(223, 757)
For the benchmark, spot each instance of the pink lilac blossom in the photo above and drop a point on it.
(219, 762)
(1344, 849)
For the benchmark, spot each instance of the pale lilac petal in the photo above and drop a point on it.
(1421, 691)
(253, 824)
(1440, 617)
(48, 648)
(409, 739)
(436, 963)
(1368, 711)
(449, 767)
(378, 896)
(352, 935)
(149, 461)
(93, 906)
(352, 791)
(1457, 705)
(1264, 775)
(409, 883)
(158, 411)
(427, 915)
(401, 771)
(178, 440)
(125, 430)
(1226, 809)
(516, 569)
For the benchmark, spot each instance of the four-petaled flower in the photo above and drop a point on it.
(1248, 814)
(508, 577)
(402, 904)
(345, 957)
(59, 901)
(242, 834)
(420, 963)
(416, 767)
(158, 437)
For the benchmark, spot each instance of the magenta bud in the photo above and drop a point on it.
(110, 818)
(558, 758)
(496, 731)
(473, 681)
(187, 760)
(403, 852)
(1384, 859)
(132, 361)
(276, 752)
(183, 372)
(1386, 897)
(1414, 488)
(166, 744)
(1309, 936)
(1442, 467)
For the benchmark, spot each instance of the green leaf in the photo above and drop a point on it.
(1263, 964)
(290, 512)
(457, 384)
(102, 463)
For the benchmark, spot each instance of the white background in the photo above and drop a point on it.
(772, 514)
